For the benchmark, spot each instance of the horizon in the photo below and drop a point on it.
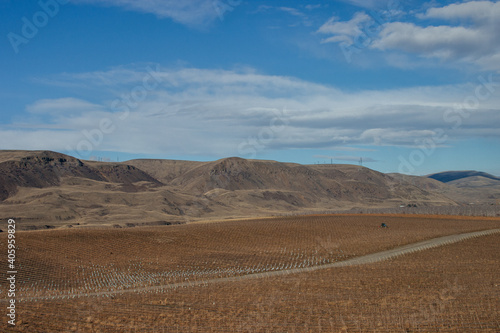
(108, 160)
(406, 86)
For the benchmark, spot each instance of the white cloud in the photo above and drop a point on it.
(469, 34)
(312, 7)
(346, 31)
(481, 12)
(475, 40)
(489, 62)
(198, 13)
(38, 139)
(368, 4)
(213, 112)
(62, 106)
(292, 11)
(295, 19)
(443, 41)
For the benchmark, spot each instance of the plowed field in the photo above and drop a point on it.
(164, 279)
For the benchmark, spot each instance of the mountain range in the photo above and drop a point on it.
(44, 188)
(452, 176)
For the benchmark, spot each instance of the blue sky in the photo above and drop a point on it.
(406, 86)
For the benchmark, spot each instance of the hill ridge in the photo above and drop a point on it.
(449, 176)
(56, 188)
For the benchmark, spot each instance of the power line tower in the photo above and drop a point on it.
(360, 161)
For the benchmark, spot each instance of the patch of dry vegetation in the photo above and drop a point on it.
(43, 188)
(453, 288)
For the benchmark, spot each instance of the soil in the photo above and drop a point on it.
(451, 288)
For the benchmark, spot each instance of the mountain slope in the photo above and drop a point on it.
(40, 169)
(41, 187)
(240, 174)
(475, 182)
(164, 170)
(315, 183)
(466, 190)
(449, 176)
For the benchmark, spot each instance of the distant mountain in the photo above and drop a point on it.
(424, 183)
(308, 184)
(449, 176)
(463, 187)
(478, 182)
(43, 187)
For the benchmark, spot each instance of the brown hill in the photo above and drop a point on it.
(425, 183)
(476, 189)
(49, 188)
(164, 170)
(41, 169)
(466, 190)
(476, 182)
(122, 173)
(239, 174)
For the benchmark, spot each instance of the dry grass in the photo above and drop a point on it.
(43, 189)
(452, 288)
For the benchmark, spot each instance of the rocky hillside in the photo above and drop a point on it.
(41, 169)
(56, 189)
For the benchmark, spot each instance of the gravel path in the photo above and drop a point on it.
(362, 260)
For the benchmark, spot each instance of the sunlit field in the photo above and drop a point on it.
(209, 277)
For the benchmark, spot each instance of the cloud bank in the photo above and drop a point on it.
(195, 13)
(462, 32)
(192, 111)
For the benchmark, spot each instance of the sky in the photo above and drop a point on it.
(398, 86)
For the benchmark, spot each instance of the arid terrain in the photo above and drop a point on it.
(210, 277)
(44, 189)
(206, 166)
(239, 245)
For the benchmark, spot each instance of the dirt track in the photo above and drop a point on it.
(366, 259)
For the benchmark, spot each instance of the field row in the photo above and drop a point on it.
(78, 262)
(454, 288)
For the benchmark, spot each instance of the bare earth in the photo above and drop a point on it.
(282, 274)
(44, 189)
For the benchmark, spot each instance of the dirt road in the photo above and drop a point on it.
(362, 260)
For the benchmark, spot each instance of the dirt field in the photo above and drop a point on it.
(453, 288)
